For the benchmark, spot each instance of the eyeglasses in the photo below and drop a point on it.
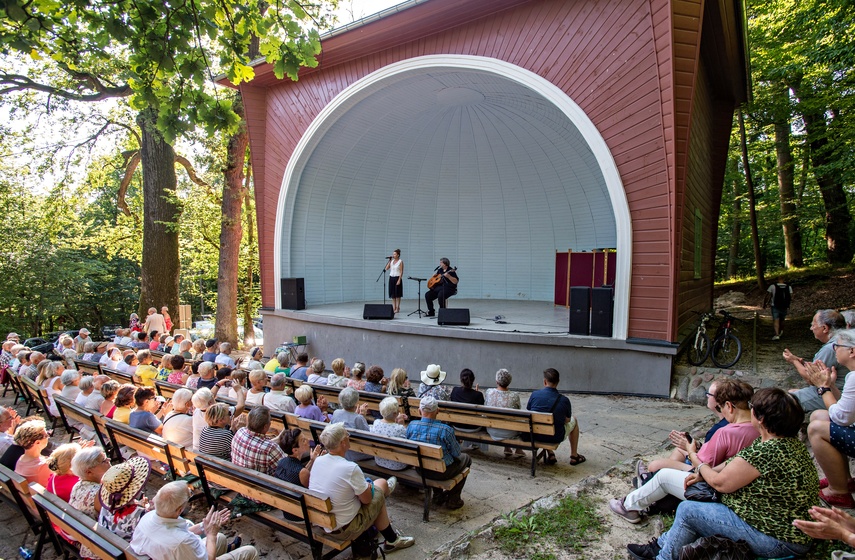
(750, 405)
(835, 346)
(709, 394)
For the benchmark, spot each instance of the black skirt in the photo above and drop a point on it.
(395, 290)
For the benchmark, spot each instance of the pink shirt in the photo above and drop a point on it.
(727, 442)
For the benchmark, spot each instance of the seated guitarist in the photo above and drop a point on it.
(443, 285)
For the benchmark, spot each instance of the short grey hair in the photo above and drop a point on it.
(429, 404)
(69, 376)
(318, 366)
(278, 380)
(205, 367)
(181, 399)
(503, 378)
(85, 459)
(333, 435)
(849, 316)
(389, 408)
(282, 358)
(846, 337)
(171, 498)
(348, 398)
(86, 382)
(202, 398)
(258, 419)
(88, 347)
(225, 347)
(831, 319)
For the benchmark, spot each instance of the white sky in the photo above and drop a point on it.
(352, 10)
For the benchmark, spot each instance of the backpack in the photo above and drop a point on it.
(782, 297)
(367, 545)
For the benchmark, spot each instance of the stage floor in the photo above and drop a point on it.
(530, 317)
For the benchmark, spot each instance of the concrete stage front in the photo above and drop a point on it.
(523, 336)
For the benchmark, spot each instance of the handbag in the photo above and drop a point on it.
(702, 492)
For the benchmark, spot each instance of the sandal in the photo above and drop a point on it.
(577, 459)
(235, 544)
(844, 501)
(508, 452)
(550, 458)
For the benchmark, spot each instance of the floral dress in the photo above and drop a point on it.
(83, 497)
(436, 391)
(502, 399)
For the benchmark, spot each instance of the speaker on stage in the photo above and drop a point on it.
(453, 316)
(601, 311)
(580, 310)
(378, 311)
(293, 294)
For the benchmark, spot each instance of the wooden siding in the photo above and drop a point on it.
(629, 64)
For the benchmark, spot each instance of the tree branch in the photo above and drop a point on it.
(17, 82)
(123, 187)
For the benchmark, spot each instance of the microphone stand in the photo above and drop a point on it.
(383, 276)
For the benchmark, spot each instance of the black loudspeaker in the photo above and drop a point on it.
(378, 311)
(453, 316)
(580, 310)
(293, 293)
(601, 311)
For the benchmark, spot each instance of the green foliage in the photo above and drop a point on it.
(569, 525)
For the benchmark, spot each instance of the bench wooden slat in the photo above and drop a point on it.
(88, 418)
(84, 366)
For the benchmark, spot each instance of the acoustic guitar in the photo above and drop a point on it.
(436, 279)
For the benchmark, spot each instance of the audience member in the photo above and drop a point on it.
(278, 399)
(61, 480)
(176, 344)
(430, 430)
(210, 354)
(393, 424)
(216, 438)
(351, 417)
(399, 385)
(163, 533)
(109, 390)
(338, 378)
(467, 394)
(357, 373)
(357, 504)
(165, 369)
(308, 410)
(374, 380)
(145, 373)
(252, 359)
(549, 399)
(224, 357)
(149, 411)
(89, 465)
(258, 382)
(88, 350)
(154, 321)
(124, 403)
(9, 421)
(824, 326)
(295, 446)
(33, 438)
(178, 424)
(154, 342)
(179, 374)
(316, 373)
(99, 351)
(70, 380)
(282, 364)
(501, 397)
(250, 447)
(431, 385)
(121, 497)
(86, 387)
(300, 370)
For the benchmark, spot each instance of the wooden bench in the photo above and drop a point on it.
(423, 456)
(119, 376)
(91, 368)
(39, 399)
(148, 445)
(313, 510)
(332, 394)
(523, 421)
(82, 528)
(165, 389)
(16, 492)
(20, 391)
(91, 419)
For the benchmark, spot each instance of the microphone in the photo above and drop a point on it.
(437, 269)
(392, 257)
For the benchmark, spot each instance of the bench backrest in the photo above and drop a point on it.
(37, 395)
(167, 390)
(269, 490)
(16, 491)
(146, 444)
(526, 421)
(120, 376)
(84, 366)
(73, 412)
(83, 529)
(332, 394)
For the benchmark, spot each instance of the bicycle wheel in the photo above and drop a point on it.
(726, 350)
(700, 350)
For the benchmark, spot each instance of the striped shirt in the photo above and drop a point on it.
(216, 442)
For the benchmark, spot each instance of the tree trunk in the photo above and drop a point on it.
(231, 233)
(736, 228)
(752, 205)
(786, 187)
(837, 216)
(160, 264)
(249, 334)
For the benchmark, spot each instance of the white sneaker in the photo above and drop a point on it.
(402, 542)
(392, 481)
(776, 337)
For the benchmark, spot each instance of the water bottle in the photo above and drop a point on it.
(25, 553)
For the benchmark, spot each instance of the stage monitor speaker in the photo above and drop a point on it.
(293, 294)
(580, 310)
(601, 311)
(453, 316)
(378, 311)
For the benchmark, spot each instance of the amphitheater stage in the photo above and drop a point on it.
(523, 336)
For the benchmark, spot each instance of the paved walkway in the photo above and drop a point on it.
(614, 429)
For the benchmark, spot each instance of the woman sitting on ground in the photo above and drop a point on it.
(732, 397)
(393, 424)
(374, 380)
(764, 488)
(295, 446)
(357, 374)
(308, 410)
(500, 397)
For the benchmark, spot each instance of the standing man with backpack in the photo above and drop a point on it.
(780, 295)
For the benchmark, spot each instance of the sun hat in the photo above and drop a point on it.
(433, 375)
(84, 330)
(102, 344)
(168, 340)
(12, 336)
(122, 482)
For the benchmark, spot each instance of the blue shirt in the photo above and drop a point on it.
(437, 433)
(544, 400)
(300, 373)
(143, 420)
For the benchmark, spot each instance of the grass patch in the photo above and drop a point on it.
(570, 525)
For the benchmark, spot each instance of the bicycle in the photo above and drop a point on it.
(699, 351)
(726, 347)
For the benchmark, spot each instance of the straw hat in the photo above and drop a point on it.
(433, 375)
(122, 482)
